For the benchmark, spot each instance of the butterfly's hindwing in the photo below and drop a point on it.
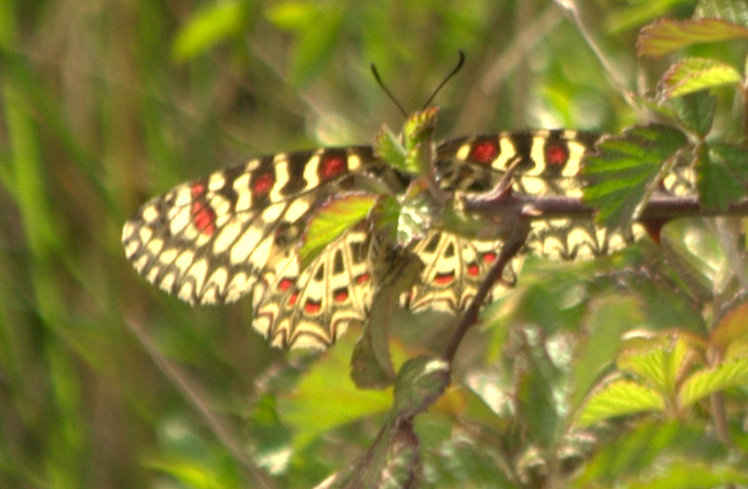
(217, 238)
(454, 268)
(311, 307)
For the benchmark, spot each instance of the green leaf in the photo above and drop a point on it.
(211, 25)
(417, 140)
(619, 398)
(624, 169)
(419, 383)
(371, 367)
(608, 318)
(331, 220)
(640, 450)
(371, 364)
(694, 74)
(695, 111)
(419, 128)
(536, 391)
(387, 146)
(731, 373)
(718, 187)
(326, 398)
(730, 336)
(735, 158)
(666, 35)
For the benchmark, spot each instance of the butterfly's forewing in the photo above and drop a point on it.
(547, 164)
(217, 238)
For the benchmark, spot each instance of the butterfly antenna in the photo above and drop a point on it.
(452, 73)
(386, 90)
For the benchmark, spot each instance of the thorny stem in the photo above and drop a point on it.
(745, 109)
(547, 207)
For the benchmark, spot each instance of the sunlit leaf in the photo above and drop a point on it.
(326, 397)
(666, 35)
(661, 360)
(331, 220)
(619, 398)
(731, 373)
(693, 74)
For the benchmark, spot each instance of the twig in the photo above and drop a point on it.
(188, 392)
(510, 248)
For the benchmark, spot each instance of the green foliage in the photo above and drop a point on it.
(623, 173)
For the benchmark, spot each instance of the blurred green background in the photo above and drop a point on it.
(104, 381)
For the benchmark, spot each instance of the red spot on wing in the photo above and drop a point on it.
(557, 154)
(488, 257)
(197, 189)
(285, 284)
(292, 298)
(484, 151)
(332, 165)
(203, 217)
(363, 278)
(444, 278)
(473, 269)
(261, 184)
(312, 307)
(340, 295)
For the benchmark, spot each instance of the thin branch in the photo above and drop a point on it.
(510, 248)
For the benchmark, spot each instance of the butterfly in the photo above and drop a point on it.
(238, 231)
